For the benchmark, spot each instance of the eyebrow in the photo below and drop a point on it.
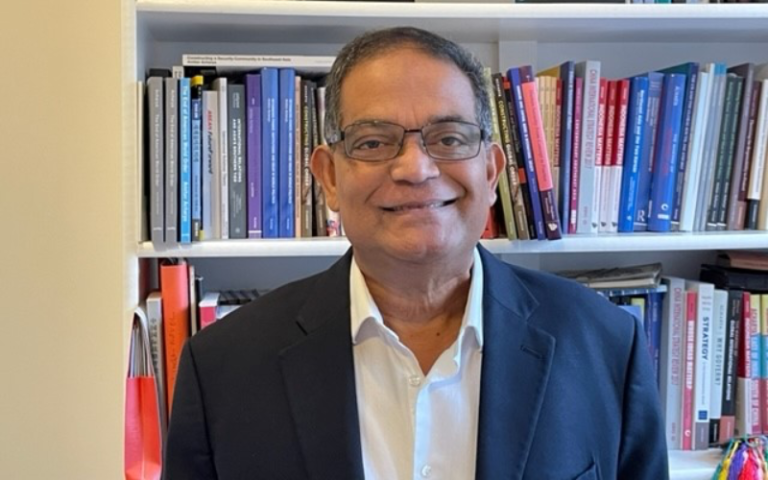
(431, 120)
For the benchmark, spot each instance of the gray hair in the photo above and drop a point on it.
(370, 44)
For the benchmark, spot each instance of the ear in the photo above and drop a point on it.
(495, 163)
(323, 168)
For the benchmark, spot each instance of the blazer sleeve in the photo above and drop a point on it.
(643, 451)
(187, 450)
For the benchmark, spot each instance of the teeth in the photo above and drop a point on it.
(412, 207)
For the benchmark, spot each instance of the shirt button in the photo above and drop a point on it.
(426, 470)
(414, 380)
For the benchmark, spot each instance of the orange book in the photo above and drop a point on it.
(174, 289)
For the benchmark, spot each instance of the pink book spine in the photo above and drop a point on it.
(690, 349)
(575, 159)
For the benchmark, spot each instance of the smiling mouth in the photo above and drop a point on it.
(419, 206)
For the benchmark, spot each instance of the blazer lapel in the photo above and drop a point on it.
(319, 378)
(516, 363)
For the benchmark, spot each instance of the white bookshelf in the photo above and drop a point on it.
(628, 39)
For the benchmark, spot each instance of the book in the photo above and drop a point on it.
(672, 359)
(211, 186)
(207, 308)
(743, 259)
(636, 127)
(589, 72)
(664, 175)
(714, 122)
(609, 145)
(597, 198)
(156, 159)
(221, 193)
(616, 168)
(645, 172)
(718, 348)
(269, 149)
(253, 153)
(730, 367)
(689, 356)
(729, 278)
(705, 293)
(196, 156)
(758, 183)
(573, 190)
(153, 307)
(185, 161)
(305, 205)
(286, 152)
(171, 161)
(237, 194)
(174, 288)
(236, 62)
(733, 209)
(635, 276)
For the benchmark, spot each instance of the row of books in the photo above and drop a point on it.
(228, 151)
(176, 311)
(679, 149)
(708, 339)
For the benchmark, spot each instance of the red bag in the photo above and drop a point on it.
(143, 458)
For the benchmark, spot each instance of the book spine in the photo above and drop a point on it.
(512, 204)
(285, 153)
(236, 156)
(636, 127)
(589, 71)
(269, 144)
(692, 79)
(672, 359)
(196, 173)
(730, 367)
(734, 206)
(253, 153)
(690, 353)
(207, 306)
(742, 207)
(516, 87)
(221, 85)
(617, 161)
(305, 198)
(523, 214)
(703, 371)
(754, 371)
(566, 141)
(540, 155)
(757, 170)
(744, 421)
(154, 307)
(715, 116)
(185, 162)
(667, 149)
(725, 150)
(297, 166)
(719, 330)
(655, 85)
(691, 183)
(156, 136)
(171, 161)
(211, 168)
(174, 286)
(606, 188)
(764, 362)
(573, 197)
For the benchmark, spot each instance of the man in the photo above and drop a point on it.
(418, 354)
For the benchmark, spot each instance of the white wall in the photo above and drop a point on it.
(61, 252)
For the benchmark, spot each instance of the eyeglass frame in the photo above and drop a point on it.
(339, 136)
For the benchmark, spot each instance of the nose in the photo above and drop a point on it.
(413, 164)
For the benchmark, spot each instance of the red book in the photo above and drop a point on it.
(617, 152)
(174, 289)
(578, 93)
(606, 119)
(207, 308)
(689, 350)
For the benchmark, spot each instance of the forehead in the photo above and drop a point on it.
(406, 86)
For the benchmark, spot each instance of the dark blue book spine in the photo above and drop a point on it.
(253, 153)
(185, 162)
(286, 153)
(566, 139)
(664, 177)
(638, 105)
(655, 85)
(269, 100)
(196, 104)
(654, 312)
(516, 82)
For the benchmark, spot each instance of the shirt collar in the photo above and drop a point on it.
(366, 317)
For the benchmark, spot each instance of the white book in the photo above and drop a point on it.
(710, 147)
(671, 362)
(588, 217)
(719, 324)
(702, 380)
(230, 63)
(758, 176)
(154, 311)
(220, 85)
(211, 188)
(691, 183)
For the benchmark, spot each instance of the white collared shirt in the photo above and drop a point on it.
(412, 426)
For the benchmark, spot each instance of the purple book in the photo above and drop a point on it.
(253, 153)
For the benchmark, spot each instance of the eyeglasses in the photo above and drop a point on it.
(380, 141)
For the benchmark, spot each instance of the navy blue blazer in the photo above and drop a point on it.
(567, 389)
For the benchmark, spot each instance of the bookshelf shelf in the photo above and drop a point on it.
(610, 243)
(628, 39)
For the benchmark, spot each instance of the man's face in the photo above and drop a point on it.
(412, 207)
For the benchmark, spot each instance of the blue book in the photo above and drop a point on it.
(664, 176)
(691, 72)
(185, 162)
(253, 153)
(633, 152)
(566, 143)
(269, 119)
(516, 83)
(196, 104)
(655, 85)
(286, 154)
